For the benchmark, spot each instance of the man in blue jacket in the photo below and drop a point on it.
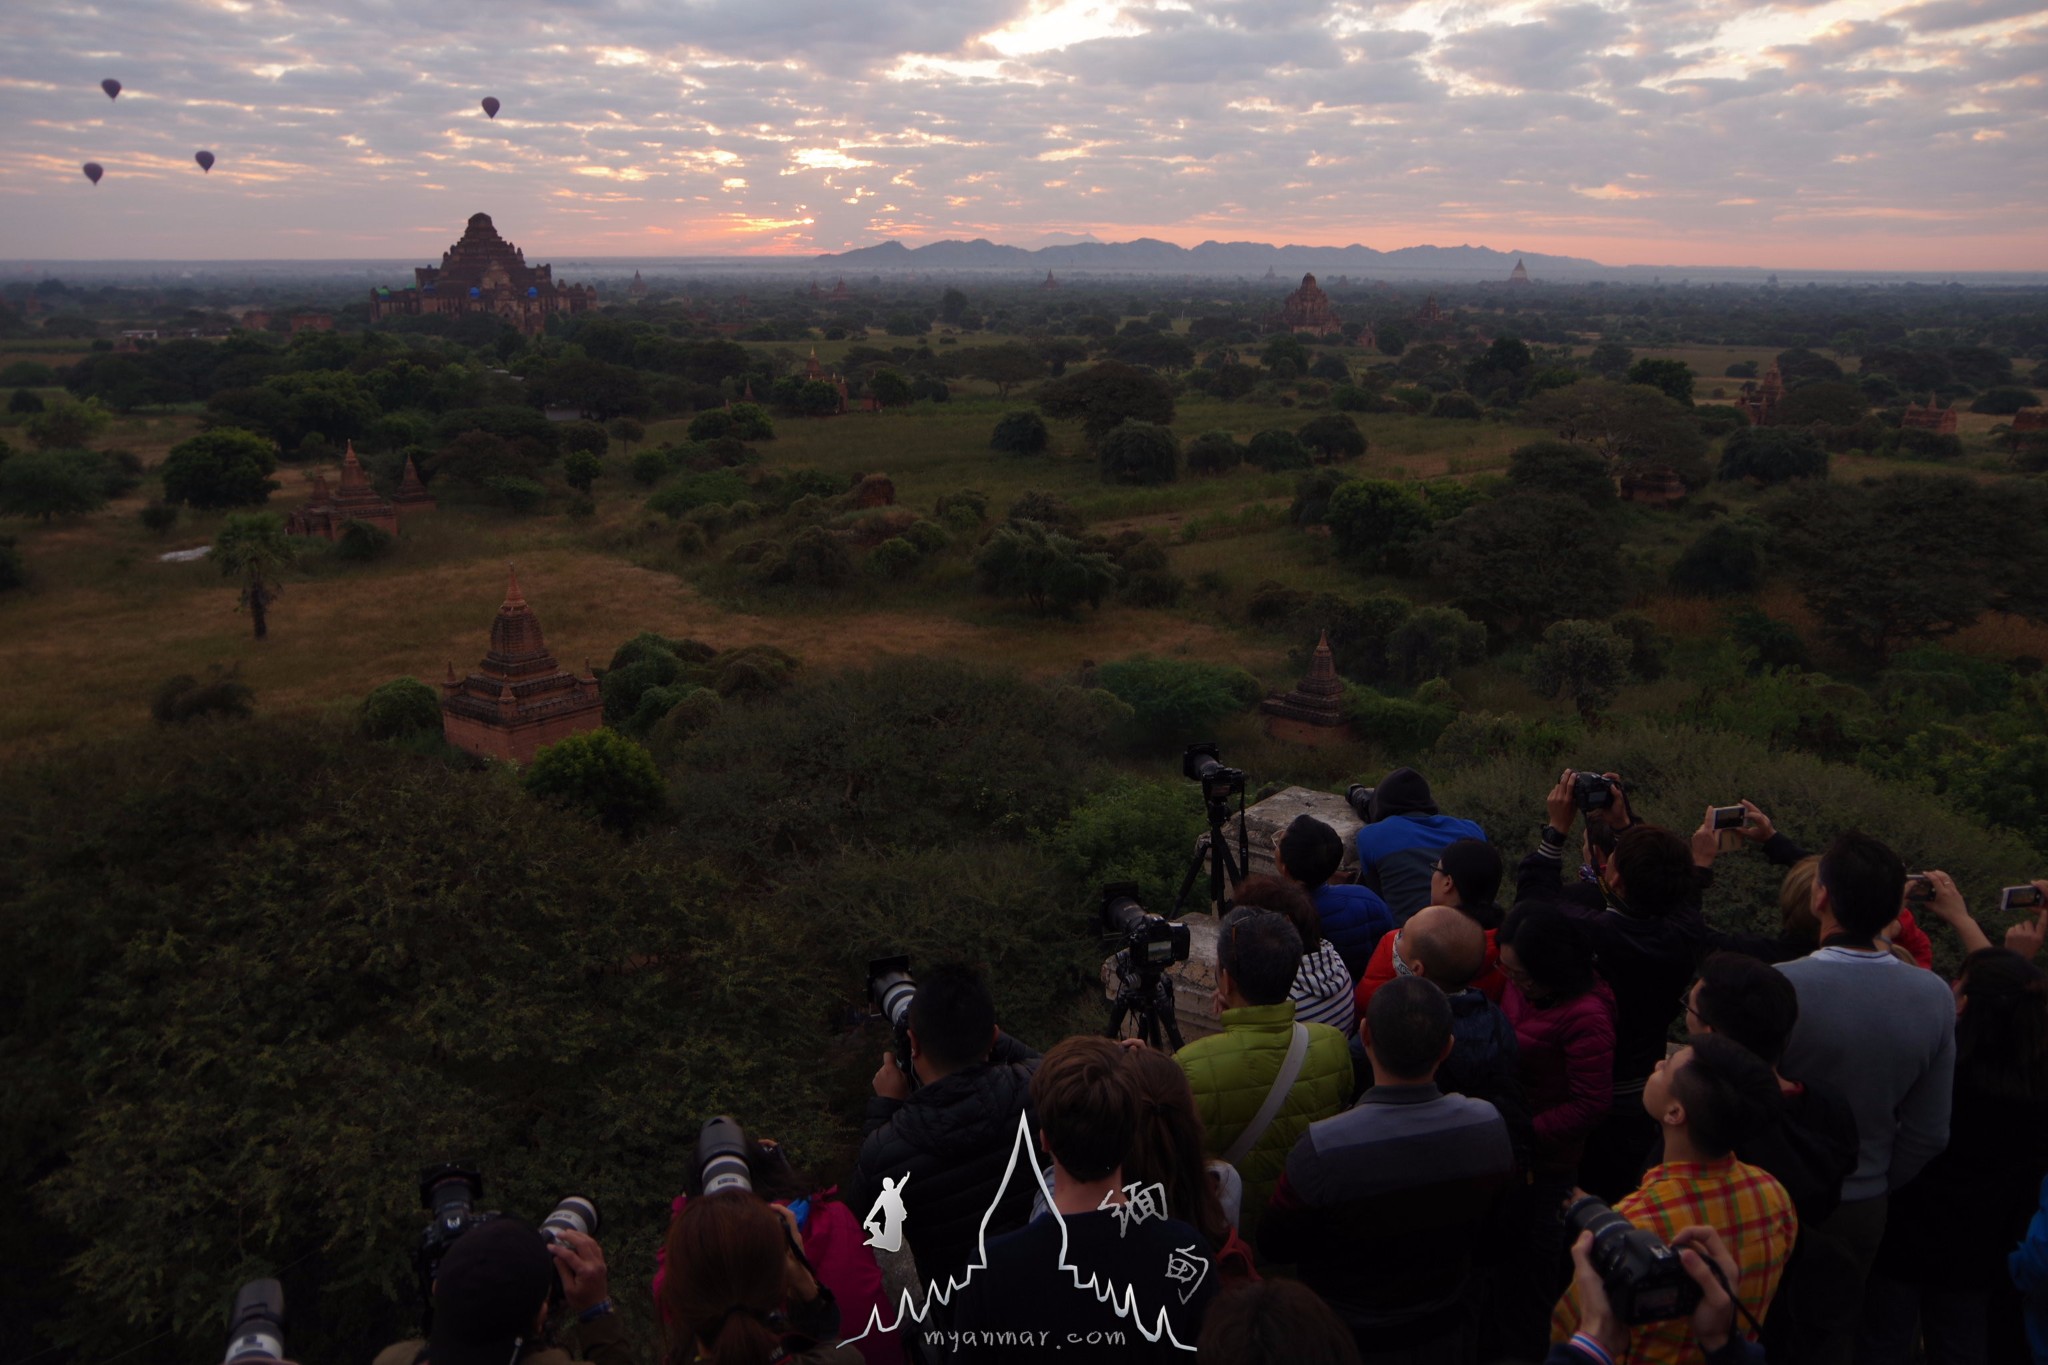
(1401, 837)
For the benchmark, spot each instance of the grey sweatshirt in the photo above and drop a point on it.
(1882, 1035)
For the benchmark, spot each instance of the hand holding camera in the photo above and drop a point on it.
(2024, 936)
(579, 1260)
(1702, 1251)
(1561, 806)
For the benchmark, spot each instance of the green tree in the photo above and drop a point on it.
(1610, 360)
(1334, 436)
(1312, 492)
(1431, 642)
(1004, 366)
(220, 468)
(1524, 559)
(1584, 662)
(626, 431)
(66, 426)
(158, 516)
(1562, 467)
(401, 708)
(889, 388)
(1631, 424)
(600, 773)
(589, 437)
(1020, 433)
(1830, 401)
(580, 469)
(1378, 524)
(1772, 455)
(1105, 395)
(2003, 402)
(952, 305)
(1177, 700)
(253, 549)
(1724, 561)
(1050, 571)
(24, 404)
(1214, 452)
(1138, 452)
(1673, 377)
(1800, 366)
(1277, 450)
(52, 483)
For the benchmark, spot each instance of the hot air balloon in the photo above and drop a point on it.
(205, 160)
(92, 171)
(491, 106)
(111, 86)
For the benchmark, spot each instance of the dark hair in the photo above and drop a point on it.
(1274, 1322)
(1166, 1146)
(1728, 1092)
(1261, 952)
(1409, 1021)
(1087, 1105)
(1655, 867)
(1474, 867)
(725, 1256)
(1748, 1001)
(1311, 851)
(2002, 1032)
(1283, 896)
(1551, 947)
(1866, 884)
(953, 1015)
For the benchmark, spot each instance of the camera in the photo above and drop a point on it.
(891, 989)
(1153, 941)
(573, 1214)
(2020, 898)
(1594, 792)
(1360, 797)
(1919, 889)
(722, 1150)
(1645, 1280)
(1729, 817)
(256, 1323)
(1203, 763)
(451, 1193)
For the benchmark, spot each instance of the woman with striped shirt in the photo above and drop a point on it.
(1322, 990)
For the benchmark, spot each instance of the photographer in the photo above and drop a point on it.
(952, 1135)
(1602, 1339)
(739, 1290)
(493, 1293)
(1706, 1097)
(1400, 839)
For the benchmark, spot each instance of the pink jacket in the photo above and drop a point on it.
(1567, 1066)
(837, 1249)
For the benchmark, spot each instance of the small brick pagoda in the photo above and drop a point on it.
(484, 273)
(1940, 420)
(1314, 711)
(1308, 309)
(1759, 402)
(519, 700)
(1519, 275)
(327, 515)
(412, 495)
(1431, 315)
(2029, 419)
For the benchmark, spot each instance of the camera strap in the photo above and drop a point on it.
(1290, 1069)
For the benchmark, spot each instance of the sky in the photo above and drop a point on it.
(1855, 134)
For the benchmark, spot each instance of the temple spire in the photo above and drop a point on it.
(512, 595)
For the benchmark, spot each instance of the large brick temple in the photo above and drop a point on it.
(1308, 309)
(484, 273)
(519, 700)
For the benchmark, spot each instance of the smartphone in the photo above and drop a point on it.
(2020, 898)
(1729, 817)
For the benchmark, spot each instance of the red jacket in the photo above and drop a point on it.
(1567, 1065)
(1380, 970)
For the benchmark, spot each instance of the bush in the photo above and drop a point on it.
(1020, 433)
(2004, 402)
(1278, 450)
(185, 698)
(600, 773)
(220, 468)
(360, 542)
(1050, 571)
(1725, 560)
(1333, 436)
(1462, 406)
(1214, 452)
(1132, 830)
(1582, 661)
(1773, 455)
(1403, 728)
(1432, 642)
(1563, 467)
(1377, 523)
(1312, 493)
(1153, 588)
(709, 426)
(159, 517)
(963, 511)
(690, 539)
(1049, 510)
(717, 487)
(24, 404)
(895, 558)
(518, 495)
(401, 708)
(650, 467)
(1173, 701)
(690, 714)
(928, 536)
(13, 571)
(1138, 452)
(580, 469)
(1647, 646)
(1717, 419)
(52, 483)
(815, 558)
(1919, 444)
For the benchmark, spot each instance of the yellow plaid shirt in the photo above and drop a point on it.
(1747, 1206)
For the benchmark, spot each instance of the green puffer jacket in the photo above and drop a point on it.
(1230, 1073)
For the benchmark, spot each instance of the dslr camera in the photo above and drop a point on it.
(1593, 792)
(1151, 942)
(891, 989)
(451, 1193)
(722, 1152)
(1360, 798)
(1645, 1280)
(256, 1324)
(1203, 763)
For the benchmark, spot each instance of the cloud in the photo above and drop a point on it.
(351, 127)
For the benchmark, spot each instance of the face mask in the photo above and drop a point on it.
(1401, 967)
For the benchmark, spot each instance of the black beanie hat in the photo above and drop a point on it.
(489, 1289)
(1402, 792)
(1311, 850)
(1474, 867)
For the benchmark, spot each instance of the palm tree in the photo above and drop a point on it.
(253, 548)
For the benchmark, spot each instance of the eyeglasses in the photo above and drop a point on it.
(1685, 1003)
(1438, 867)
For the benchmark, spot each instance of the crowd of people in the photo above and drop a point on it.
(1402, 1139)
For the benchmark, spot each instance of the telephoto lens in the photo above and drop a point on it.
(1359, 797)
(573, 1214)
(256, 1323)
(722, 1148)
(891, 988)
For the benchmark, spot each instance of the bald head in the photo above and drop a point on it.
(1447, 944)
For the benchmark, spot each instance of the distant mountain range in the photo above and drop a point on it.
(1148, 255)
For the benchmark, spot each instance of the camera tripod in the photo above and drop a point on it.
(1225, 870)
(1144, 992)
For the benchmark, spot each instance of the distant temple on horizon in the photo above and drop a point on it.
(1519, 275)
(519, 700)
(484, 273)
(1308, 309)
(1759, 402)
